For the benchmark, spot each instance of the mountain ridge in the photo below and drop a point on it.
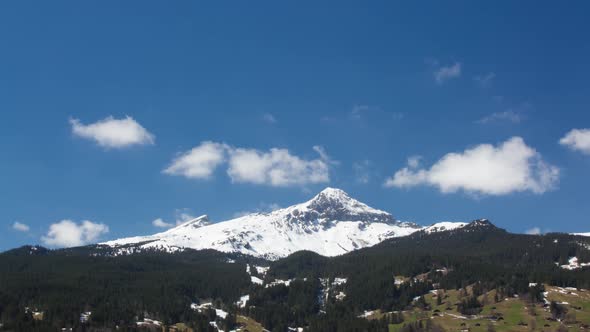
(389, 276)
(331, 223)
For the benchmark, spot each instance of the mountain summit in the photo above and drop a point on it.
(331, 223)
(335, 204)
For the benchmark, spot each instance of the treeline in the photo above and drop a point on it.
(124, 289)
(280, 307)
(117, 290)
(452, 260)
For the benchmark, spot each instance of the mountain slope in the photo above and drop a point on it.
(477, 252)
(332, 223)
(388, 276)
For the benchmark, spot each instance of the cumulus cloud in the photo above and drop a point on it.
(446, 73)
(200, 162)
(484, 169)
(67, 233)
(414, 161)
(161, 223)
(276, 167)
(577, 140)
(18, 226)
(113, 133)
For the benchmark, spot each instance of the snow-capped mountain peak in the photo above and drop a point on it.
(331, 223)
(331, 206)
(481, 224)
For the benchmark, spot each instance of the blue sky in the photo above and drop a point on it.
(343, 92)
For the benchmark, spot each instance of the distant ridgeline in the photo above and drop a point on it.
(462, 272)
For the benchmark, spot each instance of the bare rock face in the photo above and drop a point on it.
(335, 204)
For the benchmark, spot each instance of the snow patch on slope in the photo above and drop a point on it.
(444, 226)
(574, 264)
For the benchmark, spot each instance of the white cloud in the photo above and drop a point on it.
(533, 231)
(113, 133)
(277, 167)
(200, 162)
(414, 161)
(18, 226)
(577, 140)
(484, 169)
(181, 215)
(67, 233)
(161, 223)
(324, 155)
(509, 115)
(269, 118)
(445, 73)
(406, 177)
(485, 80)
(515, 114)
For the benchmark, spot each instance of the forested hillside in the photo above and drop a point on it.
(206, 290)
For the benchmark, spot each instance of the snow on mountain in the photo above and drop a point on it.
(331, 223)
(581, 234)
(186, 226)
(444, 226)
(195, 223)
